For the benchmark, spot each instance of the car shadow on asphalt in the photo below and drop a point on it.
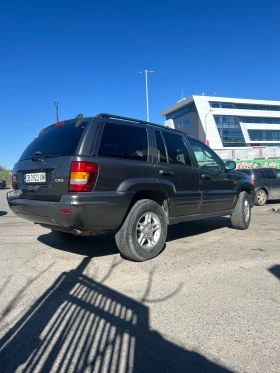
(104, 244)
(91, 246)
(81, 325)
(196, 227)
(3, 213)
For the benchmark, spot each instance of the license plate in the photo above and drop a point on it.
(38, 177)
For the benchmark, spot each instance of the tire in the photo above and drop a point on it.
(67, 237)
(261, 197)
(241, 216)
(143, 233)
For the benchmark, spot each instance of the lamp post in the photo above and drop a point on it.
(56, 109)
(147, 94)
(206, 141)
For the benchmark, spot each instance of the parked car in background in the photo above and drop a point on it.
(91, 175)
(2, 183)
(267, 183)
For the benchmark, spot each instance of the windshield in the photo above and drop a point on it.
(57, 139)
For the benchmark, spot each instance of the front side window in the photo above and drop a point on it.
(206, 159)
(177, 151)
(124, 141)
(270, 174)
(277, 174)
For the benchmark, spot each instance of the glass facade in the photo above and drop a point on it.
(264, 135)
(229, 130)
(229, 105)
(222, 105)
(180, 112)
(269, 144)
(260, 120)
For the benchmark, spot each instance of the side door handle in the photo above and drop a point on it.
(165, 172)
(206, 177)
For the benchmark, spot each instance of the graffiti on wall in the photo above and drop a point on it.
(258, 163)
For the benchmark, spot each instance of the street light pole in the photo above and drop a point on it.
(147, 93)
(56, 109)
(206, 141)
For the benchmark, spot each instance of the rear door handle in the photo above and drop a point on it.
(206, 176)
(165, 172)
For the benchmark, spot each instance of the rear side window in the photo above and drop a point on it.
(270, 174)
(177, 151)
(55, 140)
(247, 172)
(124, 141)
(161, 153)
(260, 173)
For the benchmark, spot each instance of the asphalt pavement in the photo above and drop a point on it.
(210, 302)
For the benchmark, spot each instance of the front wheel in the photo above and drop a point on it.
(241, 216)
(261, 198)
(142, 235)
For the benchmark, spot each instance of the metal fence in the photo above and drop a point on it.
(248, 153)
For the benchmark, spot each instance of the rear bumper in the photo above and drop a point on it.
(91, 211)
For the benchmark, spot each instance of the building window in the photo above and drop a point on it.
(264, 135)
(229, 105)
(180, 112)
(128, 142)
(184, 123)
(222, 105)
(229, 130)
(260, 120)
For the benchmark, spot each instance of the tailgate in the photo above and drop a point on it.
(42, 172)
(45, 180)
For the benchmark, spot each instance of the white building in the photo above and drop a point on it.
(227, 122)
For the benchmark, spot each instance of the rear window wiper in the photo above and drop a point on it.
(37, 157)
(55, 155)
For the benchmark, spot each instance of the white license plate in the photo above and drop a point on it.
(38, 177)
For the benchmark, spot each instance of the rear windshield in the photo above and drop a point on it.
(61, 139)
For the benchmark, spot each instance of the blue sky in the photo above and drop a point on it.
(87, 55)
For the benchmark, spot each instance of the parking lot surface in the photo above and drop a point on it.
(210, 302)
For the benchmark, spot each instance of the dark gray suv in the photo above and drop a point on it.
(91, 175)
(266, 182)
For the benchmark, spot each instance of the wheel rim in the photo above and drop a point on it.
(246, 211)
(261, 197)
(148, 230)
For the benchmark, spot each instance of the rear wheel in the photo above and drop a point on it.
(261, 197)
(143, 233)
(241, 216)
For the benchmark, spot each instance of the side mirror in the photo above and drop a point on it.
(230, 165)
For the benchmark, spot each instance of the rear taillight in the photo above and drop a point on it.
(255, 182)
(83, 176)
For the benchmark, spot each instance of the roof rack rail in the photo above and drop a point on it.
(112, 116)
